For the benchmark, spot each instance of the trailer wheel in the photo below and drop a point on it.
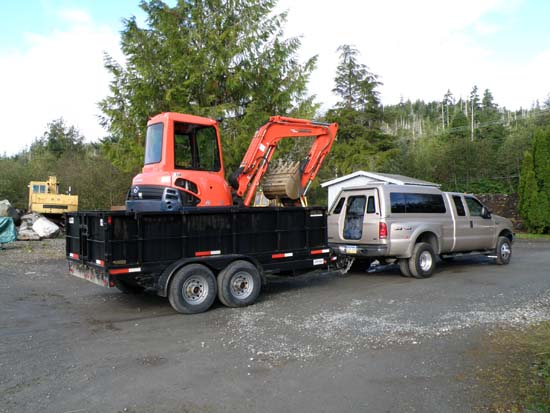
(422, 261)
(404, 267)
(503, 251)
(128, 287)
(239, 284)
(193, 289)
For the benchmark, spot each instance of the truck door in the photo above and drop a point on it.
(462, 230)
(482, 229)
(333, 220)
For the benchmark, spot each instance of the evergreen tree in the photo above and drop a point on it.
(355, 84)
(58, 139)
(215, 58)
(473, 111)
(534, 188)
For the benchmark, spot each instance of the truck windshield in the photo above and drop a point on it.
(196, 147)
(153, 144)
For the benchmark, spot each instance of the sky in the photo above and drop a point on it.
(51, 53)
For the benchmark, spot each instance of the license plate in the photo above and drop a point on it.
(89, 274)
(351, 249)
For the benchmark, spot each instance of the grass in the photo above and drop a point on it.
(518, 378)
(526, 235)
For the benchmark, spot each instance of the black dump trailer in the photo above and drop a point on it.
(196, 255)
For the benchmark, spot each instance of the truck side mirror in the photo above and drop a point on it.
(485, 213)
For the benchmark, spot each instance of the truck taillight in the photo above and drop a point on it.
(382, 230)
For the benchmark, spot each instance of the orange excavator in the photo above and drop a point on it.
(184, 164)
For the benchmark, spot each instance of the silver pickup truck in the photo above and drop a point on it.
(412, 225)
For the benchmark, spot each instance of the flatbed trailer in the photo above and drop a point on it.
(198, 254)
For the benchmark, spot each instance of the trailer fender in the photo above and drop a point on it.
(215, 263)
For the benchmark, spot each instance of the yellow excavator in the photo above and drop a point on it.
(44, 198)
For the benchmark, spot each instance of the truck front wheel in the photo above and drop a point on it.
(193, 289)
(422, 261)
(503, 251)
(239, 284)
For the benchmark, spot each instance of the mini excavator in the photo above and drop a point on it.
(184, 165)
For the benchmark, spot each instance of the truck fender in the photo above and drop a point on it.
(424, 234)
(215, 263)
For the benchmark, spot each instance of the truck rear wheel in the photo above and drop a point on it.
(404, 267)
(422, 261)
(239, 284)
(503, 251)
(193, 289)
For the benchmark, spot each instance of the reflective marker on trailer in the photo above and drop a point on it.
(317, 252)
(283, 255)
(100, 262)
(207, 253)
(124, 270)
(73, 255)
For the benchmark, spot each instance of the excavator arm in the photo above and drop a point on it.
(262, 148)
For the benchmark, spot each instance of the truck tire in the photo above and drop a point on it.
(193, 289)
(503, 251)
(404, 267)
(239, 284)
(128, 287)
(422, 261)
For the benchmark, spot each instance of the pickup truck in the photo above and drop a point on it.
(412, 225)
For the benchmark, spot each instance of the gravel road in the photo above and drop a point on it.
(318, 343)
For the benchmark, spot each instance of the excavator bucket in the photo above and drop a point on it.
(282, 180)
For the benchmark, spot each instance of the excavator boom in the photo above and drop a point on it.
(262, 148)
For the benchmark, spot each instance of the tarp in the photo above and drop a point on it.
(8, 233)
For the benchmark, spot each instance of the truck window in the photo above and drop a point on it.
(417, 203)
(459, 206)
(153, 143)
(474, 206)
(353, 223)
(339, 205)
(371, 207)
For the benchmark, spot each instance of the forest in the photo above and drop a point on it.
(234, 64)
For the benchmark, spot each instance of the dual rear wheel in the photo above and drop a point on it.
(194, 287)
(421, 264)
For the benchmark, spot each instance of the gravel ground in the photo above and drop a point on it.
(322, 342)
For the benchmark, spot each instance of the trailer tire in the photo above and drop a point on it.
(193, 289)
(404, 267)
(503, 251)
(239, 284)
(127, 287)
(422, 261)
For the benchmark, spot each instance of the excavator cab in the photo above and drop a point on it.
(184, 165)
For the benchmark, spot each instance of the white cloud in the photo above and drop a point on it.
(59, 74)
(419, 48)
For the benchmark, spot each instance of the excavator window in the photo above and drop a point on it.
(153, 143)
(39, 189)
(196, 147)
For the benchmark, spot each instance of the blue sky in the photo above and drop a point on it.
(51, 53)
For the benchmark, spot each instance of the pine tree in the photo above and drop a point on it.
(534, 189)
(215, 58)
